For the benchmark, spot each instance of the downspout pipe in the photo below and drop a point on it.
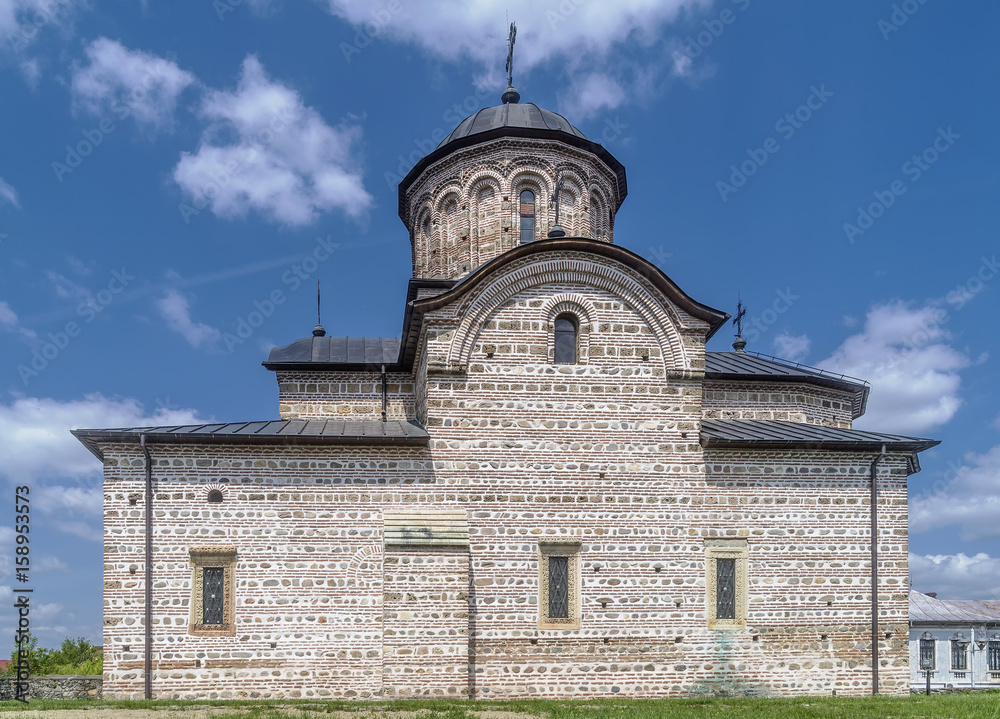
(385, 401)
(874, 542)
(148, 659)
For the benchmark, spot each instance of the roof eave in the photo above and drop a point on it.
(835, 445)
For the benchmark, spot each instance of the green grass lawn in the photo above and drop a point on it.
(978, 705)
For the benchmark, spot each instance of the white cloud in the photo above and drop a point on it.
(8, 193)
(175, 310)
(120, 82)
(10, 323)
(590, 94)
(285, 163)
(970, 498)
(791, 347)
(905, 353)
(39, 448)
(21, 21)
(956, 576)
(574, 38)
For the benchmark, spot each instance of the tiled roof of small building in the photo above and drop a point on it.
(282, 431)
(924, 608)
(361, 351)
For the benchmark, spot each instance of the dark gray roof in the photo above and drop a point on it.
(282, 431)
(924, 608)
(776, 434)
(360, 352)
(755, 367)
(528, 115)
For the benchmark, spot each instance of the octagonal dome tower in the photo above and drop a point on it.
(489, 187)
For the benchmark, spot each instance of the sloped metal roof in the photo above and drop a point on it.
(366, 352)
(284, 431)
(924, 608)
(509, 115)
(754, 367)
(778, 434)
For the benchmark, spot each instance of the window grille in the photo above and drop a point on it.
(213, 594)
(559, 587)
(725, 588)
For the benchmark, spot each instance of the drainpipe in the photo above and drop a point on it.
(874, 543)
(384, 397)
(148, 660)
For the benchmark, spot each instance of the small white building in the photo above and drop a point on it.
(959, 640)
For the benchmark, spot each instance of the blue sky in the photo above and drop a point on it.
(169, 169)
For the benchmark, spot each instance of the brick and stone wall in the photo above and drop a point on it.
(57, 686)
(344, 395)
(787, 401)
(603, 454)
(463, 211)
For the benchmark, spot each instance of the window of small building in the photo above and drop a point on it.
(726, 583)
(566, 331)
(559, 586)
(927, 654)
(959, 655)
(527, 216)
(993, 656)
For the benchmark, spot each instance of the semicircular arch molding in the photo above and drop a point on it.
(656, 312)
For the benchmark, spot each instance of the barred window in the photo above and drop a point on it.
(213, 592)
(725, 588)
(559, 587)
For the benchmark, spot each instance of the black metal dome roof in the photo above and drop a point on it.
(510, 115)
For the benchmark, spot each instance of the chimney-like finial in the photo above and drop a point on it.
(739, 343)
(510, 95)
(318, 330)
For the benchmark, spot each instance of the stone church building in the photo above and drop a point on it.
(544, 487)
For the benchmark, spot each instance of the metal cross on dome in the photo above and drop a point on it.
(741, 312)
(510, 54)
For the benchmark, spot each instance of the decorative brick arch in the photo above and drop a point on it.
(656, 312)
(371, 554)
(585, 312)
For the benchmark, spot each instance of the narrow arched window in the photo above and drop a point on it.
(565, 339)
(527, 216)
(595, 218)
